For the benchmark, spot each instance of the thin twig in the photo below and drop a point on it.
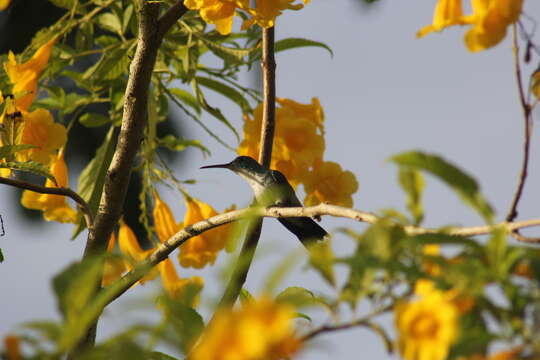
(253, 232)
(512, 214)
(83, 205)
(268, 64)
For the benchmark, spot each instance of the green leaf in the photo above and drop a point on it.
(74, 286)
(294, 43)
(173, 143)
(156, 355)
(186, 98)
(111, 65)
(187, 322)
(29, 166)
(91, 120)
(246, 297)
(74, 289)
(412, 183)
(215, 112)
(496, 252)
(321, 258)
(66, 4)
(226, 53)
(9, 150)
(463, 184)
(297, 296)
(110, 22)
(93, 176)
(1, 256)
(126, 17)
(226, 91)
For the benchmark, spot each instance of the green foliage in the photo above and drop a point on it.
(29, 166)
(8, 150)
(412, 183)
(458, 180)
(295, 43)
(74, 289)
(92, 178)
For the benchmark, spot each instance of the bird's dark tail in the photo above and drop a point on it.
(305, 228)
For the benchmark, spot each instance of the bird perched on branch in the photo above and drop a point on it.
(271, 188)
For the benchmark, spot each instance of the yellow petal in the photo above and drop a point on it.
(4, 4)
(164, 221)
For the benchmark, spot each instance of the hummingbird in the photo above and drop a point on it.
(271, 188)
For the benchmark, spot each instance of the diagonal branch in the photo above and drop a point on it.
(54, 191)
(164, 249)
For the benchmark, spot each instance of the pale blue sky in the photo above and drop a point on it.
(383, 92)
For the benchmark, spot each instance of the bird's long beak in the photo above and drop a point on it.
(223, 166)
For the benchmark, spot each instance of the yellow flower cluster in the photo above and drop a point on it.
(489, 20)
(54, 207)
(200, 250)
(298, 152)
(428, 326)
(37, 128)
(175, 287)
(259, 330)
(221, 12)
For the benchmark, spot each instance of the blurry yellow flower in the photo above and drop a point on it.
(114, 267)
(259, 330)
(25, 76)
(129, 246)
(426, 327)
(4, 4)
(313, 112)
(489, 20)
(266, 12)
(176, 287)
(447, 13)
(512, 354)
(12, 347)
(329, 183)
(430, 267)
(164, 221)
(202, 249)
(298, 140)
(54, 207)
(40, 130)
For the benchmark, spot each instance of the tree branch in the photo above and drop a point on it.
(512, 214)
(54, 191)
(245, 258)
(151, 32)
(164, 249)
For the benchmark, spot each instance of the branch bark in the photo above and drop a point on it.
(152, 29)
(54, 191)
(249, 247)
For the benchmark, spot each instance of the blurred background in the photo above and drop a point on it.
(383, 92)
